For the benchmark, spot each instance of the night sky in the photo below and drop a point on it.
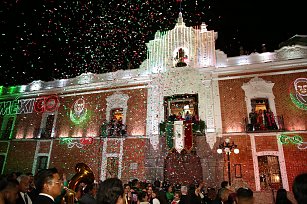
(55, 39)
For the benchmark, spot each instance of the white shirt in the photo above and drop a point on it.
(155, 201)
(23, 197)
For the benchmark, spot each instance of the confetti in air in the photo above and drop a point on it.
(49, 40)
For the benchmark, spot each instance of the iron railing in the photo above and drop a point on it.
(113, 129)
(198, 127)
(266, 126)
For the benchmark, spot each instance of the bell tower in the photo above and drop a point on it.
(176, 63)
(181, 47)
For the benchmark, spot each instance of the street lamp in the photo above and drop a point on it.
(227, 146)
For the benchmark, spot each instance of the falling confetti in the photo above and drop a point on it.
(48, 40)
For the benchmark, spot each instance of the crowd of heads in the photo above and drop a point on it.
(114, 191)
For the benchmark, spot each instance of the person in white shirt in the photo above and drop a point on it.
(23, 187)
(155, 200)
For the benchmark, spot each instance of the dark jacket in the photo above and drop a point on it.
(87, 199)
(162, 197)
(41, 199)
(184, 199)
(33, 194)
(20, 199)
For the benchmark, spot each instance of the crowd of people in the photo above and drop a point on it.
(183, 116)
(114, 128)
(262, 120)
(49, 187)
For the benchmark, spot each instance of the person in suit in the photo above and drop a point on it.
(23, 188)
(281, 197)
(33, 193)
(49, 183)
(184, 199)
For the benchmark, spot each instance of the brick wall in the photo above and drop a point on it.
(134, 152)
(20, 157)
(233, 105)
(295, 159)
(65, 159)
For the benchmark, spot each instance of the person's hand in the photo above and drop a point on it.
(198, 192)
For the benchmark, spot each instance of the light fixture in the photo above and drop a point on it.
(220, 151)
(236, 151)
(227, 146)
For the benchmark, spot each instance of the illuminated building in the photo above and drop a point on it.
(60, 123)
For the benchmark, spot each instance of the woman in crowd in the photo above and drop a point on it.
(143, 198)
(111, 191)
(169, 194)
(128, 194)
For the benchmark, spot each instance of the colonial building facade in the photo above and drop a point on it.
(167, 119)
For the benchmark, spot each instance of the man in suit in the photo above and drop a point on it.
(49, 183)
(23, 189)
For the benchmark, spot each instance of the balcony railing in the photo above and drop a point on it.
(275, 124)
(198, 127)
(113, 129)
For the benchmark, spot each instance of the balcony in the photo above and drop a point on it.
(275, 124)
(198, 127)
(113, 129)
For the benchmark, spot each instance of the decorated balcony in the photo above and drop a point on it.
(179, 134)
(275, 123)
(198, 127)
(113, 128)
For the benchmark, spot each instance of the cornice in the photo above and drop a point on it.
(77, 89)
(252, 70)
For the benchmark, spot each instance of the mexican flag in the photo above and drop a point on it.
(179, 135)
